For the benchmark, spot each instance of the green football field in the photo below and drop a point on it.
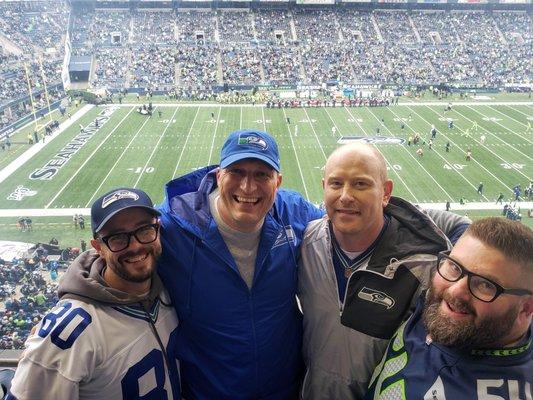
(54, 180)
(129, 149)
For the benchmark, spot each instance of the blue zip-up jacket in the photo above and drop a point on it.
(233, 342)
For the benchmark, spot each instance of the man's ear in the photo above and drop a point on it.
(526, 311)
(280, 179)
(219, 174)
(387, 191)
(97, 245)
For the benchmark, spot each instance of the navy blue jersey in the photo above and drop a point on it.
(415, 368)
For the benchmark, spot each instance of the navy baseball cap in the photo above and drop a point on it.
(250, 144)
(115, 201)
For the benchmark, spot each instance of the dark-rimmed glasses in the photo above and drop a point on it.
(481, 288)
(119, 241)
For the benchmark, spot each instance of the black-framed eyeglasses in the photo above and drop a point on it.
(119, 241)
(481, 288)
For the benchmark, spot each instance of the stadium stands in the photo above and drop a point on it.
(201, 48)
(25, 296)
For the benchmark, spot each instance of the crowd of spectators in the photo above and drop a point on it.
(25, 295)
(171, 49)
(273, 26)
(34, 27)
(197, 65)
(196, 26)
(153, 67)
(240, 65)
(206, 47)
(235, 26)
(156, 28)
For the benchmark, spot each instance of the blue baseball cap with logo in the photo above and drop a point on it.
(250, 144)
(115, 201)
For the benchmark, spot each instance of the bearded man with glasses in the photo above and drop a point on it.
(107, 337)
(470, 337)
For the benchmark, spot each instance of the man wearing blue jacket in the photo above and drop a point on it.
(231, 242)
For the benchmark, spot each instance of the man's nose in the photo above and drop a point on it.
(459, 289)
(347, 194)
(248, 183)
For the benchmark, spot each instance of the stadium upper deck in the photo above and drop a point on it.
(164, 48)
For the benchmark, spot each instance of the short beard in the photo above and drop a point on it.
(123, 273)
(484, 333)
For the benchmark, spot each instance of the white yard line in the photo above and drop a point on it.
(496, 122)
(408, 152)
(214, 137)
(508, 116)
(185, 145)
(297, 160)
(498, 137)
(458, 147)
(391, 168)
(264, 120)
(521, 112)
(474, 158)
(35, 148)
(115, 164)
(316, 136)
(155, 147)
(63, 212)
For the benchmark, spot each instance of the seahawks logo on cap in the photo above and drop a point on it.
(252, 140)
(119, 195)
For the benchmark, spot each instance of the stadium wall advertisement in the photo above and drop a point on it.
(52, 167)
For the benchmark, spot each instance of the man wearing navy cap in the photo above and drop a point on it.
(108, 335)
(231, 240)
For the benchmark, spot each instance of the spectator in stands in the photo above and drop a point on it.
(230, 243)
(112, 289)
(470, 337)
(371, 252)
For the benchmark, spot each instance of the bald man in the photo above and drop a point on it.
(362, 268)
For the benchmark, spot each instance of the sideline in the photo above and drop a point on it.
(61, 212)
(401, 103)
(35, 148)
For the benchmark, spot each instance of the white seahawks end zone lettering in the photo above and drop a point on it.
(371, 139)
(52, 167)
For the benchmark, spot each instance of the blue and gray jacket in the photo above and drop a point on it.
(233, 342)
